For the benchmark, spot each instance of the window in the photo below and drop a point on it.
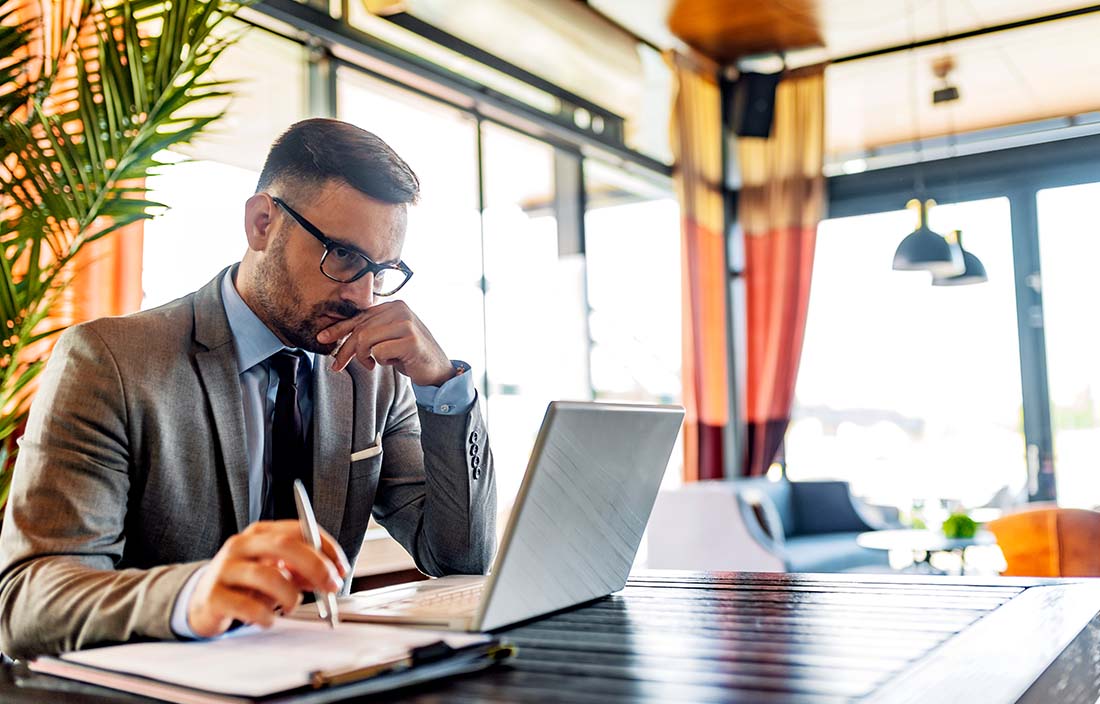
(1069, 241)
(632, 242)
(907, 390)
(203, 231)
(498, 283)
(443, 241)
(534, 303)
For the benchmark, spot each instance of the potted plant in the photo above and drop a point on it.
(959, 526)
(90, 92)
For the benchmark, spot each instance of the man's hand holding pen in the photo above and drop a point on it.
(263, 568)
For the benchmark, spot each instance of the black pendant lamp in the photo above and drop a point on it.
(974, 272)
(925, 250)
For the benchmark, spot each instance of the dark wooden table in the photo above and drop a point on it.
(738, 637)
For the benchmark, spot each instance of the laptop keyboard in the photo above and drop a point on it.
(446, 601)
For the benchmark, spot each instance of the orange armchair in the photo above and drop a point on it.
(1049, 542)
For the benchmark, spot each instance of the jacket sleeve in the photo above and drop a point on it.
(64, 533)
(437, 489)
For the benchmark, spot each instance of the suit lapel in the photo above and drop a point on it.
(332, 437)
(216, 358)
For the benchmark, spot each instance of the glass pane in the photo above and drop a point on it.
(443, 243)
(911, 391)
(1069, 244)
(270, 92)
(535, 315)
(632, 242)
(202, 233)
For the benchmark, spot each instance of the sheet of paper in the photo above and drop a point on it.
(253, 662)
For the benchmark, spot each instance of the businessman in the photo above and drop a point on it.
(152, 494)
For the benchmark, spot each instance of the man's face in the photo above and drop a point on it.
(294, 298)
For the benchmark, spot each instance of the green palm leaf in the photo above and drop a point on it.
(81, 130)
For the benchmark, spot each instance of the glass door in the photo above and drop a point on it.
(911, 392)
(1069, 246)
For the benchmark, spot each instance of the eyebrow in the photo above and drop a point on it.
(348, 245)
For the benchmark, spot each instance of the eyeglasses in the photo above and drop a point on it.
(344, 265)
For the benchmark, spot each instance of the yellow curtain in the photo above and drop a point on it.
(782, 201)
(697, 148)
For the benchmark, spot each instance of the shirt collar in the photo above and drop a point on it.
(253, 340)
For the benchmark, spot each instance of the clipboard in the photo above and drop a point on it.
(254, 666)
(459, 661)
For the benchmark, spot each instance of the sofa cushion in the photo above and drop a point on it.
(830, 552)
(825, 507)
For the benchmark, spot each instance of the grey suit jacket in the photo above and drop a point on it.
(132, 473)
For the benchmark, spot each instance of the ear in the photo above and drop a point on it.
(259, 217)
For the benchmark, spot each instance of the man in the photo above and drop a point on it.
(152, 493)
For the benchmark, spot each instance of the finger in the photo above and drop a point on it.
(377, 312)
(362, 342)
(391, 352)
(332, 549)
(265, 580)
(278, 609)
(347, 352)
(342, 328)
(242, 606)
(283, 541)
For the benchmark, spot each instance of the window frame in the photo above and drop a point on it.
(1018, 174)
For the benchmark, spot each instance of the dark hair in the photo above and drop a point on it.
(313, 151)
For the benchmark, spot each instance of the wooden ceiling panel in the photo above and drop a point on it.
(725, 30)
(730, 29)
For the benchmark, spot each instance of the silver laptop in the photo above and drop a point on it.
(573, 532)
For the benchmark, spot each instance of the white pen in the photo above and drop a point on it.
(326, 601)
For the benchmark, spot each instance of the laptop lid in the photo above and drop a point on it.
(581, 510)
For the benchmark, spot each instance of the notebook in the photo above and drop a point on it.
(573, 533)
(305, 660)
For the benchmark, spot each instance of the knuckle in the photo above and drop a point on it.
(233, 544)
(286, 542)
(255, 573)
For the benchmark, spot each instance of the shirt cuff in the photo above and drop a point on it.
(454, 397)
(179, 623)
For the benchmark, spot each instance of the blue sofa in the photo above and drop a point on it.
(812, 525)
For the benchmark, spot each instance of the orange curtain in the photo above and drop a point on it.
(697, 148)
(106, 277)
(782, 201)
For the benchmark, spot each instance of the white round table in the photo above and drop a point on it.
(923, 543)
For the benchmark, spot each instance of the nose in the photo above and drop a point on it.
(359, 292)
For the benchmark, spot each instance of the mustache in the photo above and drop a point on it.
(342, 309)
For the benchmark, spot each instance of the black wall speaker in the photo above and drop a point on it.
(751, 104)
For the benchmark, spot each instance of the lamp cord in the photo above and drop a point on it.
(918, 177)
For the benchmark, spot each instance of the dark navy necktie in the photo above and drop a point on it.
(290, 457)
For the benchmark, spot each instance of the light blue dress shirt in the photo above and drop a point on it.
(254, 344)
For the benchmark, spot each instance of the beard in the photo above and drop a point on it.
(282, 306)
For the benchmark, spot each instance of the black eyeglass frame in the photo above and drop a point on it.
(370, 266)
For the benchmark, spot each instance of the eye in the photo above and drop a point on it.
(342, 254)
